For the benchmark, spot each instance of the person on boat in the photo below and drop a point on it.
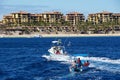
(57, 52)
(86, 63)
(74, 65)
(79, 63)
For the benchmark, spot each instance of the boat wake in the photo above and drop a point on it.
(101, 59)
(101, 63)
(104, 63)
(97, 59)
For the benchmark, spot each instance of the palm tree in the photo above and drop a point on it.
(96, 28)
(83, 26)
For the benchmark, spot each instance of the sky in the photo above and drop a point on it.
(65, 6)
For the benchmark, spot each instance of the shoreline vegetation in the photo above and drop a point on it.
(59, 31)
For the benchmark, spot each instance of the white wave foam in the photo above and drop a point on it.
(58, 58)
(70, 58)
(103, 63)
(101, 59)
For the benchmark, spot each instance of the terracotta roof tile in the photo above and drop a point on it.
(54, 12)
(116, 14)
(104, 12)
(7, 16)
(91, 14)
(73, 13)
(21, 12)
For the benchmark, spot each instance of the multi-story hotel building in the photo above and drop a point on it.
(21, 18)
(116, 18)
(36, 18)
(74, 17)
(92, 18)
(100, 17)
(17, 18)
(52, 17)
(8, 20)
(1, 23)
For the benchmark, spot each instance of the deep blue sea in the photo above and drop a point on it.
(21, 58)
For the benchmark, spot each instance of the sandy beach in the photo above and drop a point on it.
(78, 35)
(56, 35)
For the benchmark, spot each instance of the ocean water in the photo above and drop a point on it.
(21, 58)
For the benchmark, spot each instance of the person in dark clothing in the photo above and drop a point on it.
(79, 62)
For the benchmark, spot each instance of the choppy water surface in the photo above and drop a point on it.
(21, 59)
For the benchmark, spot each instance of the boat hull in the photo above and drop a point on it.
(60, 57)
(81, 69)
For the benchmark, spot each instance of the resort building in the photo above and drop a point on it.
(34, 18)
(74, 17)
(8, 20)
(17, 18)
(49, 19)
(92, 18)
(55, 21)
(100, 17)
(52, 17)
(1, 23)
(116, 18)
(20, 17)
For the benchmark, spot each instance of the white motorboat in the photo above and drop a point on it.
(57, 51)
(57, 48)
